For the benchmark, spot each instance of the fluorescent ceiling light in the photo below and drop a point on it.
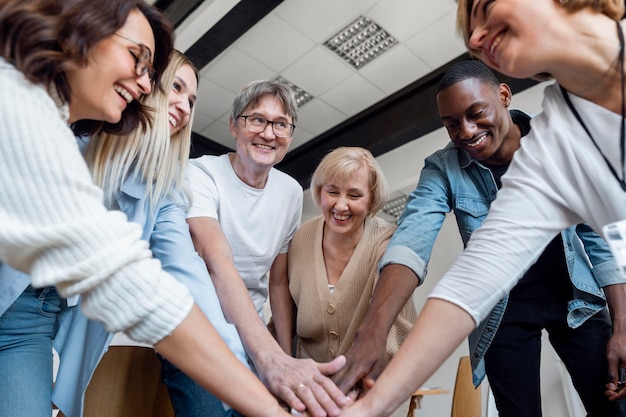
(360, 42)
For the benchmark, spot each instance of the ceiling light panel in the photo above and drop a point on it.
(302, 97)
(360, 42)
(395, 207)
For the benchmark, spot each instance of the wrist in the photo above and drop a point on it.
(375, 329)
(619, 324)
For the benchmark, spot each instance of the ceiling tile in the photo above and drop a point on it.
(214, 100)
(234, 70)
(219, 132)
(317, 116)
(275, 43)
(196, 24)
(320, 19)
(415, 15)
(318, 71)
(353, 95)
(300, 137)
(530, 100)
(449, 45)
(395, 69)
(200, 121)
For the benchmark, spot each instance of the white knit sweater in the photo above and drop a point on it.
(54, 226)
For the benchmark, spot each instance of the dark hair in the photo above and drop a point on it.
(470, 69)
(41, 38)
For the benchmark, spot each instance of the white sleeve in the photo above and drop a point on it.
(527, 214)
(204, 190)
(54, 225)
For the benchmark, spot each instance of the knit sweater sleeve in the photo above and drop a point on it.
(54, 225)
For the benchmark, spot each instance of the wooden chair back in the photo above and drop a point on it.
(466, 400)
(127, 382)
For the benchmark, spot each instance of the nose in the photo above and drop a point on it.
(341, 203)
(268, 132)
(183, 106)
(468, 129)
(477, 38)
(145, 84)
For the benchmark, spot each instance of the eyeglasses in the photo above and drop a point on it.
(258, 124)
(143, 59)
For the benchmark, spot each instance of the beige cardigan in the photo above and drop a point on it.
(326, 323)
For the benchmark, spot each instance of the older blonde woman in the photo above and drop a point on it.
(333, 260)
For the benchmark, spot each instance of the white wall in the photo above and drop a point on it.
(402, 167)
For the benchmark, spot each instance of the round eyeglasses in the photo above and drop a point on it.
(257, 124)
(143, 58)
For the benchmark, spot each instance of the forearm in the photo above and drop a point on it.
(394, 288)
(241, 312)
(237, 305)
(282, 307)
(616, 347)
(368, 356)
(198, 351)
(438, 331)
(616, 300)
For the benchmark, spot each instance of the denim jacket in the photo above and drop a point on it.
(452, 180)
(83, 342)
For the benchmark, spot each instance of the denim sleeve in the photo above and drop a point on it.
(421, 220)
(604, 268)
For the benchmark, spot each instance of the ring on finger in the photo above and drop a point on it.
(299, 386)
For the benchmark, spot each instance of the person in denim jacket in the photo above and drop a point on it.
(561, 293)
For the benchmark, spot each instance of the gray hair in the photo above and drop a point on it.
(256, 90)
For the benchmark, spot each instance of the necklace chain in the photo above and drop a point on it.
(622, 180)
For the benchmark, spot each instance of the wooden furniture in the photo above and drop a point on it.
(416, 398)
(466, 400)
(127, 382)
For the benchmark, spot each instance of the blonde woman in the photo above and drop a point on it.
(143, 175)
(333, 261)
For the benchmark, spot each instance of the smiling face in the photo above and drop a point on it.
(477, 119)
(182, 98)
(345, 204)
(102, 89)
(259, 152)
(510, 35)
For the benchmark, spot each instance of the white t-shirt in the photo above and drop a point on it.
(258, 223)
(556, 179)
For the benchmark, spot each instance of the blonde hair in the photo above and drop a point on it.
(150, 154)
(340, 164)
(612, 8)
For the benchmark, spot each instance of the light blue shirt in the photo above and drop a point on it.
(81, 343)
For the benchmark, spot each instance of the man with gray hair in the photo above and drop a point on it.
(243, 216)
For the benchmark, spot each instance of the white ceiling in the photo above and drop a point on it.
(289, 42)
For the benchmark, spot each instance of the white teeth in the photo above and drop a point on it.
(124, 93)
(339, 217)
(478, 141)
(495, 43)
(172, 121)
(264, 147)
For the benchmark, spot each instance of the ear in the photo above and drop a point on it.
(233, 130)
(505, 94)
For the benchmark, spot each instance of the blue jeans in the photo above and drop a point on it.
(513, 359)
(190, 399)
(26, 332)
